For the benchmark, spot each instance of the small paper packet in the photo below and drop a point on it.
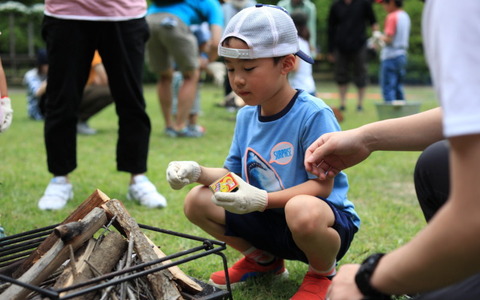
(225, 184)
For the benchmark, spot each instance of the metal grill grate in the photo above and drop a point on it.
(15, 248)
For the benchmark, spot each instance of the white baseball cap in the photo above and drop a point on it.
(268, 30)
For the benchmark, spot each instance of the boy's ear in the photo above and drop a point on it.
(288, 63)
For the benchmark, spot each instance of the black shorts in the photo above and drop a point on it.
(268, 231)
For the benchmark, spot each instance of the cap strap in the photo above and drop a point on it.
(234, 53)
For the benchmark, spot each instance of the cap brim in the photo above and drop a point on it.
(305, 57)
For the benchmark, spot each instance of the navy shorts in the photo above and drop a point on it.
(268, 231)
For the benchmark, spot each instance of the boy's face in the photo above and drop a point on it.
(255, 80)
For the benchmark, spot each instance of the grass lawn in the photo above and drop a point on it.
(381, 187)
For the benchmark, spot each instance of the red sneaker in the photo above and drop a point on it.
(247, 268)
(313, 287)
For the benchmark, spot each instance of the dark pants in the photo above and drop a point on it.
(432, 180)
(432, 176)
(70, 46)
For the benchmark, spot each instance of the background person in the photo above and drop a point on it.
(347, 25)
(172, 45)
(96, 95)
(35, 81)
(302, 75)
(393, 57)
(73, 31)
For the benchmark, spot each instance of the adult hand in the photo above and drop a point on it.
(245, 200)
(6, 114)
(335, 151)
(182, 173)
(343, 284)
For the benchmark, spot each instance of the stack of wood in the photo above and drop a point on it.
(99, 238)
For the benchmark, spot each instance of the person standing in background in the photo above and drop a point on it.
(347, 20)
(173, 45)
(73, 31)
(393, 56)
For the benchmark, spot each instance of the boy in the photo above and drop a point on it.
(394, 55)
(279, 211)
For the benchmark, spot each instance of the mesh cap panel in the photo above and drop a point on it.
(268, 31)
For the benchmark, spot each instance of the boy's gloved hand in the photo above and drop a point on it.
(245, 200)
(6, 113)
(182, 173)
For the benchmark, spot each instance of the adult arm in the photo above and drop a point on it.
(446, 251)
(336, 151)
(216, 32)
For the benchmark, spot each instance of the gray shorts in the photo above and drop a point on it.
(171, 44)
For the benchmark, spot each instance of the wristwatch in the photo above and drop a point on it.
(364, 275)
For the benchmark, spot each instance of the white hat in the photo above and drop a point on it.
(268, 30)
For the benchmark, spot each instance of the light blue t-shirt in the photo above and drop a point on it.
(193, 11)
(269, 152)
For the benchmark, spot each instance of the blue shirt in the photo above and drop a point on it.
(193, 11)
(269, 152)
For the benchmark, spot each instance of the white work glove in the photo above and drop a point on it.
(218, 72)
(244, 200)
(182, 173)
(6, 114)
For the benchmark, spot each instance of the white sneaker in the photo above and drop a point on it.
(57, 194)
(83, 128)
(143, 191)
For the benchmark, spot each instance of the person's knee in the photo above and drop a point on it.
(303, 214)
(196, 203)
(166, 76)
(191, 75)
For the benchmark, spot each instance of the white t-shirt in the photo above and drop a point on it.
(451, 34)
(302, 78)
(96, 10)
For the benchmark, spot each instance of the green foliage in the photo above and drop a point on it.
(381, 187)
(17, 24)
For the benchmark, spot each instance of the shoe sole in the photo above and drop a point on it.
(282, 276)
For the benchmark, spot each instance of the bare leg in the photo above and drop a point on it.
(310, 221)
(342, 90)
(164, 91)
(186, 98)
(361, 96)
